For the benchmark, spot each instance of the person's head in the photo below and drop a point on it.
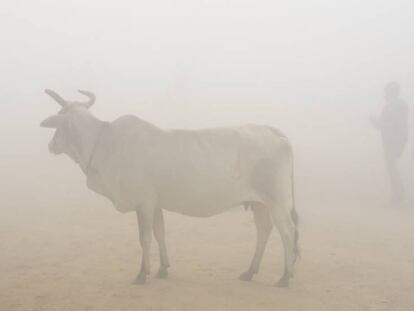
(392, 90)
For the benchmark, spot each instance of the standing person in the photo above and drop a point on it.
(393, 126)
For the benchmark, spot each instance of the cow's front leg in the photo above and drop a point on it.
(145, 218)
(159, 233)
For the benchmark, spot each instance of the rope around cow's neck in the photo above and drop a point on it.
(88, 167)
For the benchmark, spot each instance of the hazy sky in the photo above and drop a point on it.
(298, 52)
(315, 69)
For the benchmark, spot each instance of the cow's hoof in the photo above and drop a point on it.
(246, 276)
(162, 273)
(140, 279)
(283, 282)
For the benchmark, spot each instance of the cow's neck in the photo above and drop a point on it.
(89, 135)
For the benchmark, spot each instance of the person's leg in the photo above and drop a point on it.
(397, 186)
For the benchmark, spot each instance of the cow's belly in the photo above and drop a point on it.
(206, 202)
(198, 208)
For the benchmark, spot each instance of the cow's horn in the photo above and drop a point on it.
(91, 97)
(56, 97)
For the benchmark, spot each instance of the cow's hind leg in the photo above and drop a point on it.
(282, 219)
(159, 233)
(145, 225)
(264, 226)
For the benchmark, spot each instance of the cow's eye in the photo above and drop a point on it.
(63, 110)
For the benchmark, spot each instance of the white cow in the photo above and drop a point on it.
(145, 169)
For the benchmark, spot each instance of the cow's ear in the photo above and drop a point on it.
(53, 121)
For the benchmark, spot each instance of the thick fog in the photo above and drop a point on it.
(316, 70)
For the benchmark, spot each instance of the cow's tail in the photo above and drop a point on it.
(294, 214)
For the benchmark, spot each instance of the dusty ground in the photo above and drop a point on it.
(84, 257)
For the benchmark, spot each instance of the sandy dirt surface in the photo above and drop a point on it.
(84, 257)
